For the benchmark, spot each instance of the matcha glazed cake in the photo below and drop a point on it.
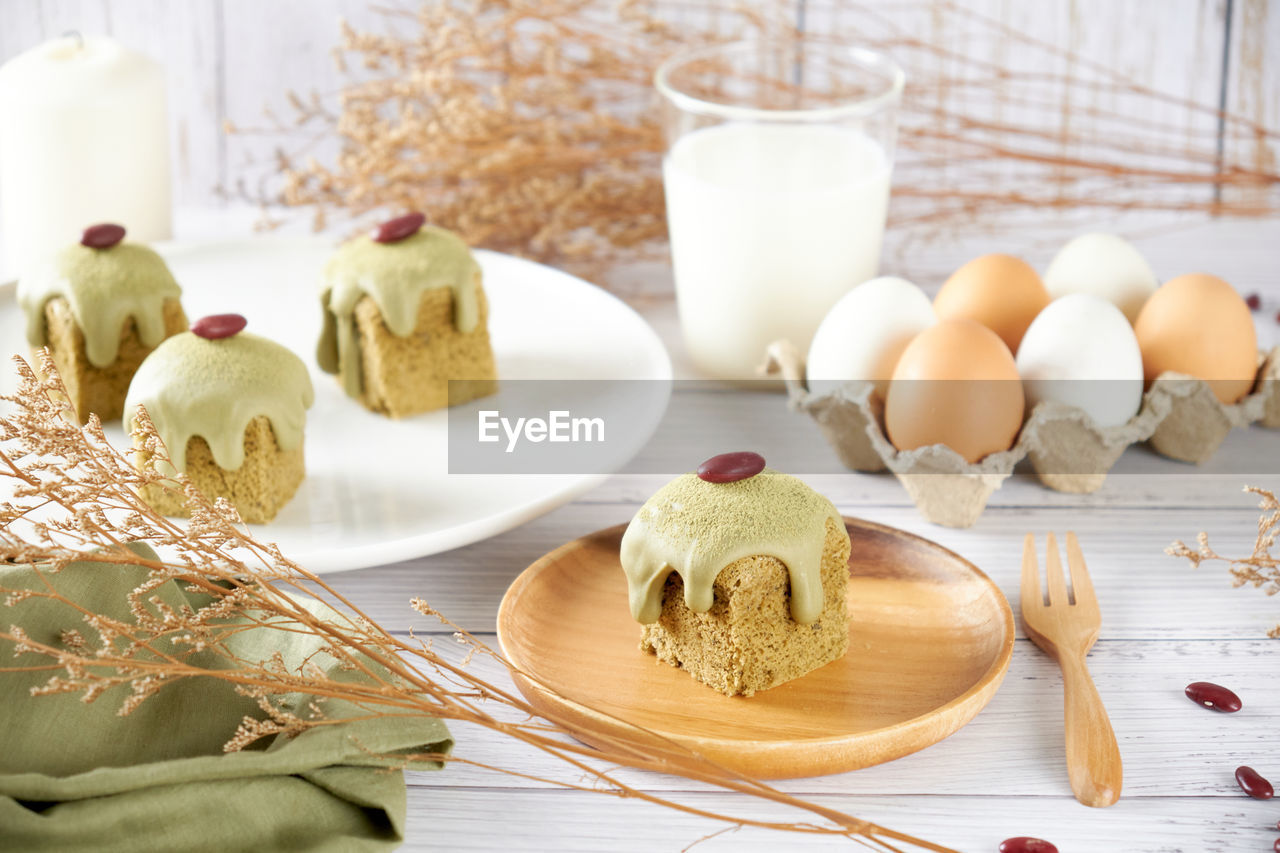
(406, 320)
(100, 307)
(230, 408)
(738, 574)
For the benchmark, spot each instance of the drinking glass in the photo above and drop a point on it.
(777, 182)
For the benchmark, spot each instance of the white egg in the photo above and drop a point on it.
(1104, 265)
(864, 333)
(1081, 351)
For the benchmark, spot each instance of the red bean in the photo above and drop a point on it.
(1213, 696)
(102, 236)
(1252, 783)
(1278, 316)
(1254, 301)
(399, 228)
(217, 326)
(1276, 846)
(731, 467)
(1026, 844)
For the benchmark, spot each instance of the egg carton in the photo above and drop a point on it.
(1270, 374)
(1198, 423)
(1067, 450)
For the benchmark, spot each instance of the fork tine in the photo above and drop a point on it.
(1057, 581)
(1030, 574)
(1081, 583)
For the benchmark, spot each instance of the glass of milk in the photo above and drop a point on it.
(777, 183)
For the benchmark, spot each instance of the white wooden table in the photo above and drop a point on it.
(1164, 625)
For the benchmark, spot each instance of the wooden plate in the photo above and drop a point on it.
(929, 643)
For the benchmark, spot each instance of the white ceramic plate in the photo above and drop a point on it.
(378, 491)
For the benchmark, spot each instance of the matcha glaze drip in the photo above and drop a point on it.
(103, 287)
(192, 385)
(394, 274)
(695, 528)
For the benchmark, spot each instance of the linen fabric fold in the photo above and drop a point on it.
(78, 776)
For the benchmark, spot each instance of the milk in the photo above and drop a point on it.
(770, 225)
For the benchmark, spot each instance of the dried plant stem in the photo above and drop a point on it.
(1260, 569)
(73, 492)
(533, 128)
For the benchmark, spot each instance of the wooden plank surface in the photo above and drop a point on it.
(1164, 625)
(1145, 593)
(556, 820)
(1171, 746)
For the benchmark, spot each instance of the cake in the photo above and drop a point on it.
(230, 408)
(406, 320)
(100, 306)
(738, 575)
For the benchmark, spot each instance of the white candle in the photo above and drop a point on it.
(770, 226)
(84, 138)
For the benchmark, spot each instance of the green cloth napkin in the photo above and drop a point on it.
(77, 776)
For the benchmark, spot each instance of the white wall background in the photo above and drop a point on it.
(231, 59)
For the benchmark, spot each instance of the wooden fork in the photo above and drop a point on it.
(1067, 631)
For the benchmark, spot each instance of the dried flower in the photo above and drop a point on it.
(1260, 569)
(549, 145)
(73, 492)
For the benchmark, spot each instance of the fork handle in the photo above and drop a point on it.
(1093, 757)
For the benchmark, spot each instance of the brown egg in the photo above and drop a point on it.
(1198, 325)
(1001, 292)
(955, 384)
